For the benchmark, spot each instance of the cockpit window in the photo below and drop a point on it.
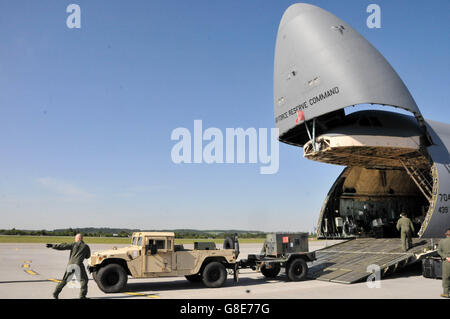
(139, 242)
(134, 241)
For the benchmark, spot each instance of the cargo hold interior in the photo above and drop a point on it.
(367, 202)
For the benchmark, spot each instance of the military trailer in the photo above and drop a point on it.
(154, 254)
(282, 250)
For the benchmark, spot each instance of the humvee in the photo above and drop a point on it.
(154, 254)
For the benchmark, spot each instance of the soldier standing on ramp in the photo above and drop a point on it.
(406, 228)
(444, 252)
(78, 252)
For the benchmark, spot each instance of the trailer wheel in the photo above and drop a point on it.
(297, 269)
(111, 278)
(194, 278)
(271, 272)
(214, 275)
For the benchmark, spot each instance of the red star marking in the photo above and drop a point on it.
(300, 116)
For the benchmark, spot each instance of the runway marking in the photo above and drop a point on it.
(28, 270)
(141, 294)
(135, 293)
(54, 280)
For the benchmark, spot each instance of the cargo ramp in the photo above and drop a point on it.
(348, 262)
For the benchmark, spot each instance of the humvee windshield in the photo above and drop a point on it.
(137, 241)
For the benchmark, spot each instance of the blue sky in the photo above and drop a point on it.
(86, 114)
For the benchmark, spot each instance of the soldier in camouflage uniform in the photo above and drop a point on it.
(78, 252)
(406, 228)
(444, 252)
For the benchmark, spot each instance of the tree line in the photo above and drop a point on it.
(106, 232)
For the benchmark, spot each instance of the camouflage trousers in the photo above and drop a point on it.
(81, 276)
(406, 240)
(446, 276)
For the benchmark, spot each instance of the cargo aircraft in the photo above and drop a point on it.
(393, 162)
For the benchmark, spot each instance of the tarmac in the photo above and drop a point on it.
(31, 271)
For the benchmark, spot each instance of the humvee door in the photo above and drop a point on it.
(157, 253)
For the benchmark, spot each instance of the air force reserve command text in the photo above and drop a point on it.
(313, 100)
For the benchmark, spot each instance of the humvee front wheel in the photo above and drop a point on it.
(214, 275)
(111, 278)
(94, 275)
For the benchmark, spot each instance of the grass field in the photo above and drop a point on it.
(104, 240)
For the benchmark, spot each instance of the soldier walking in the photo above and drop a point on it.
(78, 252)
(444, 252)
(406, 229)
